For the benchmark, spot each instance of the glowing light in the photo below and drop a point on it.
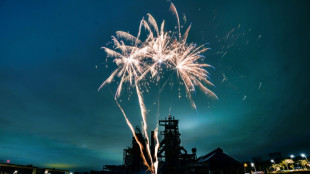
(156, 149)
(292, 156)
(136, 58)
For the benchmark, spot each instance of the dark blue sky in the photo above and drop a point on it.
(52, 115)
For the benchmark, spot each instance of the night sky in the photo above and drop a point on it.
(51, 65)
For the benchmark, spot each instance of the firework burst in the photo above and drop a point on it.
(187, 63)
(159, 50)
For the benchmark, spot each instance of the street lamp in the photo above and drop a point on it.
(273, 166)
(292, 157)
(304, 156)
(245, 165)
(252, 164)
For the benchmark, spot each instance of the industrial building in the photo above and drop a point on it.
(6, 168)
(174, 158)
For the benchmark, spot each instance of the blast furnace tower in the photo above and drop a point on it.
(173, 157)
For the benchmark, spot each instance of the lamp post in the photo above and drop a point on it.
(304, 156)
(273, 167)
(245, 165)
(292, 157)
(253, 165)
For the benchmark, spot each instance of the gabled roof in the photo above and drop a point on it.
(216, 154)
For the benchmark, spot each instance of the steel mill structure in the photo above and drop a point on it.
(174, 158)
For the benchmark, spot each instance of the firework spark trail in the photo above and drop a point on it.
(156, 149)
(159, 50)
(129, 67)
(175, 12)
(134, 135)
(191, 72)
(143, 113)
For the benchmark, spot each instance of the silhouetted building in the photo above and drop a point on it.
(260, 164)
(174, 158)
(111, 169)
(6, 168)
(217, 162)
(133, 162)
